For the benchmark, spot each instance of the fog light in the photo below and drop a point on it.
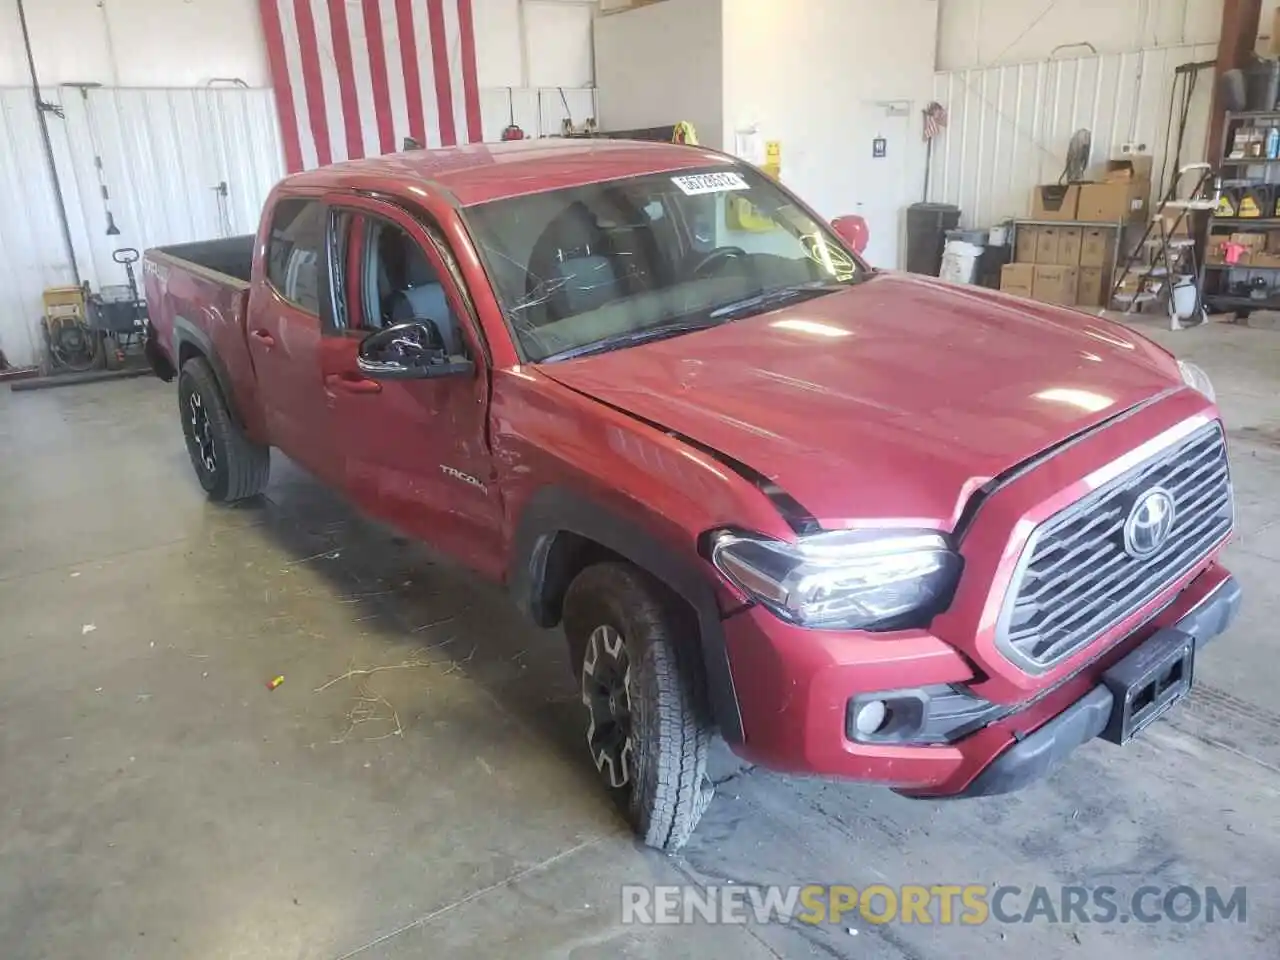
(941, 713)
(870, 717)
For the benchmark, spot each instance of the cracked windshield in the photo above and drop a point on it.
(628, 261)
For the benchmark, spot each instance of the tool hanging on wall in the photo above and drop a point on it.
(513, 130)
(224, 213)
(215, 87)
(95, 145)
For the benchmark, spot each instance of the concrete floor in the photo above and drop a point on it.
(157, 801)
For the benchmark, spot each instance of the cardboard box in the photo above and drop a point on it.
(1114, 202)
(1127, 286)
(1047, 242)
(1025, 244)
(1055, 202)
(1128, 169)
(1096, 247)
(1250, 241)
(1017, 279)
(1262, 258)
(1129, 282)
(1173, 227)
(1069, 243)
(1056, 284)
(1089, 288)
(1273, 241)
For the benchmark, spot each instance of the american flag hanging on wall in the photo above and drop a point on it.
(353, 78)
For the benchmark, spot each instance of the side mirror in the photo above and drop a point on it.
(409, 351)
(853, 231)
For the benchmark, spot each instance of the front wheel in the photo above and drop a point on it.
(647, 726)
(228, 464)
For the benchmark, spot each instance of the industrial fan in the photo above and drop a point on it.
(1078, 153)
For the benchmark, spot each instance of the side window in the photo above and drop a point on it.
(295, 254)
(401, 283)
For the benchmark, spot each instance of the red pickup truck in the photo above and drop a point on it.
(859, 524)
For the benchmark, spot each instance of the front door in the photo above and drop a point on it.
(414, 452)
(284, 333)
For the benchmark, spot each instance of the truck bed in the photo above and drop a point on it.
(232, 257)
(197, 300)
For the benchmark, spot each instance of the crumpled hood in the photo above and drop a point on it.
(896, 398)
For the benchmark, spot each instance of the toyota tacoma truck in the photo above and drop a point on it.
(858, 524)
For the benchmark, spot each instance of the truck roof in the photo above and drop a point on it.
(481, 172)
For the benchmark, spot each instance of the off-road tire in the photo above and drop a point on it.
(671, 730)
(241, 467)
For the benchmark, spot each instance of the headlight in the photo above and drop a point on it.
(1196, 379)
(852, 579)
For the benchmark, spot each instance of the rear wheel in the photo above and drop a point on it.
(647, 725)
(228, 465)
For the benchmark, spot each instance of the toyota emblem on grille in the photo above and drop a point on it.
(1149, 523)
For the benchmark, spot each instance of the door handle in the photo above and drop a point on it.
(352, 384)
(264, 338)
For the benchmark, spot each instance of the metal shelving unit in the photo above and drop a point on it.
(1273, 222)
(1221, 282)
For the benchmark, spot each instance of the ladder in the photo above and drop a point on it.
(1163, 259)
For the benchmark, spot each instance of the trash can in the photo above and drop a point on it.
(927, 226)
(960, 261)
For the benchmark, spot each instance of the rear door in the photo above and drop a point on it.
(284, 332)
(414, 452)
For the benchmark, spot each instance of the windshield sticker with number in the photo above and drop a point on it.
(699, 183)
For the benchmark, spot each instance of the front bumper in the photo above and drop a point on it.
(794, 686)
(1048, 748)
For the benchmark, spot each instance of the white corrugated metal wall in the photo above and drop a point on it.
(31, 247)
(1010, 125)
(164, 154)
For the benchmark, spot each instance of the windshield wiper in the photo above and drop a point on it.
(772, 298)
(633, 337)
(701, 320)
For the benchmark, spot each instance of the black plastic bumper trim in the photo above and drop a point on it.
(1044, 751)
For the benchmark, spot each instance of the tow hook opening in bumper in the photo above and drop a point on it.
(1133, 693)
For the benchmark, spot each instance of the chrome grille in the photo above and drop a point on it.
(1075, 580)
